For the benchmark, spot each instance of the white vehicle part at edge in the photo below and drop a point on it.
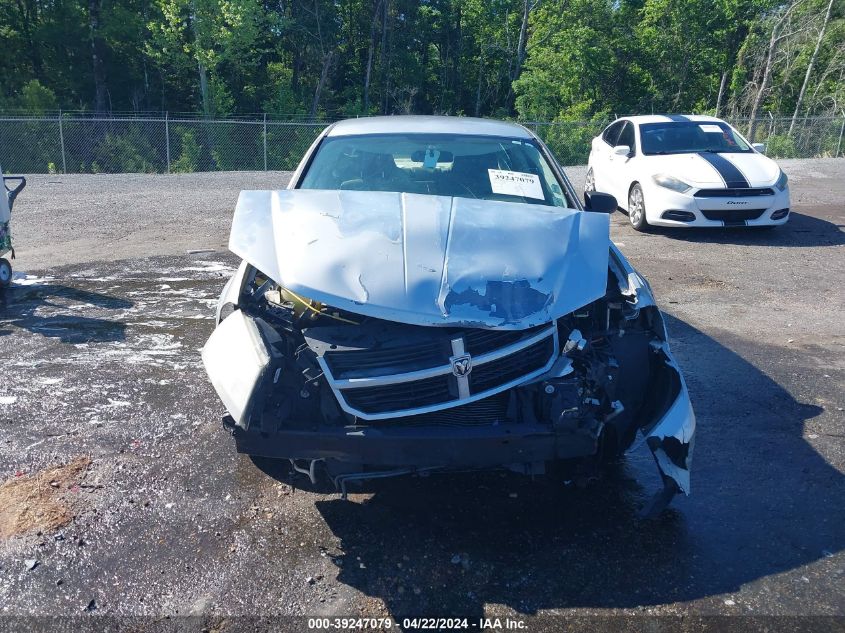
(5, 211)
(426, 260)
(236, 359)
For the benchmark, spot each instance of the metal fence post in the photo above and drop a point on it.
(62, 141)
(841, 132)
(167, 137)
(265, 141)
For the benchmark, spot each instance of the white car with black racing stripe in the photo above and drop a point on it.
(687, 170)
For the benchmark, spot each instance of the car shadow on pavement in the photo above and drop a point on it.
(51, 310)
(800, 231)
(762, 504)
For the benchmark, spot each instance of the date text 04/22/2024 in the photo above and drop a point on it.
(416, 624)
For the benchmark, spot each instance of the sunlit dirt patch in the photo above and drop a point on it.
(39, 501)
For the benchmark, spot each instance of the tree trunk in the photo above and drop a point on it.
(676, 101)
(327, 62)
(203, 75)
(761, 90)
(523, 40)
(97, 49)
(722, 84)
(810, 67)
(383, 57)
(521, 48)
(478, 85)
(296, 72)
(29, 16)
(370, 53)
(774, 40)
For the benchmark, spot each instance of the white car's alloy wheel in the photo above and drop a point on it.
(590, 182)
(636, 208)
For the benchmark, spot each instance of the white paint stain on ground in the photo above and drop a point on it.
(211, 267)
(23, 279)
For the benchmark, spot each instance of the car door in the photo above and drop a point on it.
(621, 167)
(600, 155)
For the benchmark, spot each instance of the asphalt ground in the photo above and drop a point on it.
(100, 337)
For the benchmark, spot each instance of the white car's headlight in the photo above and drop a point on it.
(670, 182)
(782, 180)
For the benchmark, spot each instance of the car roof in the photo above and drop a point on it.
(663, 118)
(420, 124)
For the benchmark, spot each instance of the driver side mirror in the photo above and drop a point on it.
(760, 147)
(599, 202)
(622, 150)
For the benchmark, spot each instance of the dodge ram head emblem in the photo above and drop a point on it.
(461, 365)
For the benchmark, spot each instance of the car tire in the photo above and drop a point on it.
(590, 181)
(636, 208)
(5, 273)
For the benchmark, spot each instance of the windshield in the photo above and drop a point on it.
(481, 167)
(675, 137)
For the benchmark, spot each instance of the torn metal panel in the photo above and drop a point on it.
(672, 438)
(426, 260)
(631, 283)
(231, 292)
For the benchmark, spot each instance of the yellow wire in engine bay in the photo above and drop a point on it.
(301, 305)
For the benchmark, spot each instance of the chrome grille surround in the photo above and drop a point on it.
(462, 393)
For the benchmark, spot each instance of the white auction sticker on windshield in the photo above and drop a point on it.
(516, 183)
(709, 127)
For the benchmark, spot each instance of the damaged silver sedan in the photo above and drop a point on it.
(430, 294)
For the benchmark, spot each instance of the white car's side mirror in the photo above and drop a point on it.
(760, 147)
(621, 150)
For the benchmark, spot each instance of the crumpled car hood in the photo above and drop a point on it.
(426, 260)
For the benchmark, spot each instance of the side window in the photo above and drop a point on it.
(627, 136)
(612, 133)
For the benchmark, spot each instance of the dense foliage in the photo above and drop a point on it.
(534, 59)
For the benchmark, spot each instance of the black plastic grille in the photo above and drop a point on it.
(477, 342)
(403, 395)
(442, 390)
(504, 370)
(732, 215)
(486, 412)
(426, 348)
(746, 192)
(390, 360)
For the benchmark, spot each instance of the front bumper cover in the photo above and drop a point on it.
(660, 200)
(243, 379)
(420, 448)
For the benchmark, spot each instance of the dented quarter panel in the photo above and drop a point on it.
(426, 260)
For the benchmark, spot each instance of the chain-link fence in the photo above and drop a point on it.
(809, 137)
(83, 144)
(79, 144)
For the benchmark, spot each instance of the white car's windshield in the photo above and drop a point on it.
(683, 137)
(482, 167)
